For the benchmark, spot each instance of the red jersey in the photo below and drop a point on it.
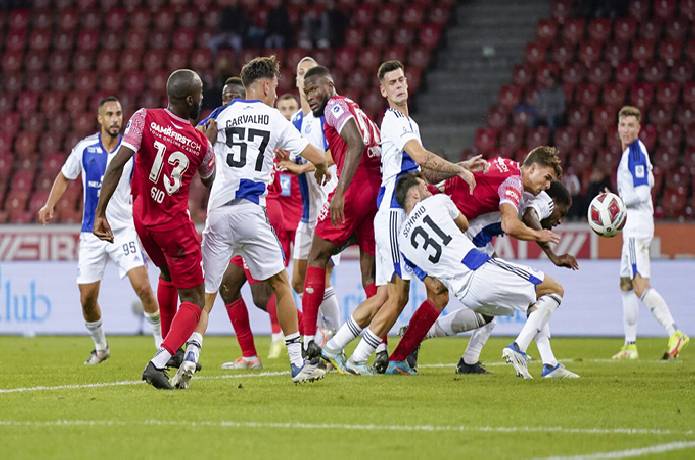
(339, 110)
(285, 189)
(168, 152)
(501, 184)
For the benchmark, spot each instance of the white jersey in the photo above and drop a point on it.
(485, 227)
(314, 196)
(248, 132)
(433, 245)
(635, 182)
(397, 130)
(89, 158)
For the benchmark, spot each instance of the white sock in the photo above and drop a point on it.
(477, 342)
(545, 306)
(156, 327)
(194, 346)
(329, 311)
(660, 310)
(248, 359)
(276, 337)
(630, 314)
(294, 349)
(461, 320)
(97, 332)
(345, 335)
(161, 358)
(381, 347)
(543, 344)
(366, 347)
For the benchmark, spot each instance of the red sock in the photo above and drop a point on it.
(314, 288)
(370, 290)
(272, 312)
(300, 322)
(385, 338)
(168, 299)
(239, 317)
(421, 322)
(182, 326)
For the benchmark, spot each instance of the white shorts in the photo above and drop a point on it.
(499, 287)
(94, 253)
(239, 230)
(635, 258)
(388, 256)
(302, 242)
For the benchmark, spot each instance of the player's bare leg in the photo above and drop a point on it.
(302, 370)
(140, 282)
(549, 294)
(91, 312)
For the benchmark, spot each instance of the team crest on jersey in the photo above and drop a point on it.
(337, 110)
(639, 171)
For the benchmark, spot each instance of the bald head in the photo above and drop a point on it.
(185, 93)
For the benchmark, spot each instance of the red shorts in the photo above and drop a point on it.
(277, 221)
(177, 250)
(359, 211)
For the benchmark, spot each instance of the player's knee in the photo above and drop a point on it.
(143, 291)
(625, 284)
(297, 284)
(640, 285)
(550, 286)
(88, 299)
(228, 294)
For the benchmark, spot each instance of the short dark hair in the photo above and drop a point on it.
(405, 183)
(287, 96)
(559, 193)
(318, 71)
(233, 81)
(108, 99)
(545, 156)
(389, 66)
(260, 67)
(630, 111)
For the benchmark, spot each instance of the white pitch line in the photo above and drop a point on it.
(655, 449)
(223, 424)
(502, 363)
(130, 382)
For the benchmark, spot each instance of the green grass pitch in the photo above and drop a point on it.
(62, 409)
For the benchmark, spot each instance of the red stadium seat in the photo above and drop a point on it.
(188, 18)
(27, 102)
(89, 19)
(589, 53)
(509, 96)
(354, 38)
(363, 16)
(36, 81)
(642, 95)
(671, 136)
(83, 61)
(201, 60)
(648, 136)
(561, 10)
(379, 38)
(40, 40)
(666, 158)
(58, 62)
(624, 29)
(12, 62)
(602, 116)
(690, 50)
(485, 140)
(686, 116)
(430, 35)
(614, 94)
(87, 40)
(324, 56)
(137, 41)
(667, 93)
(587, 94)
(140, 18)
(63, 41)
(649, 30)
(107, 62)
(389, 15)
(581, 160)
(563, 54)
(565, 138)
(573, 30)
(403, 37)
(110, 83)
(522, 75)
(592, 137)
(682, 72)
(25, 144)
(86, 82)
(439, 14)
(69, 19)
(538, 136)
(689, 161)
(687, 9)
(535, 53)
(115, 19)
(546, 30)
(670, 50)
(639, 9)
(419, 57)
(19, 18)
(160, 40)
(399, 53)
(76, 102)
(615, 53)
(664, 9)
(7, 102)
(577, 117)
(183, 39)
(522, 118)
(16, 40)
(599, 30)
(661, 116)
(643, 50)
(134, 82)
(600, 73)
(677, 29)
(497, 118)
(34, 122)
(345, 59)
(511, 140)
(412, 15)
(626, 73)
(654, 72)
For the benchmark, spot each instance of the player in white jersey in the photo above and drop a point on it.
(252, 130)
(635, 182)
(401, 152)
(543, 211)
(432, 241)
(89, 159)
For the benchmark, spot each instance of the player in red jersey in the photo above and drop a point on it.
(169, 152)
(500, 189)
(353, 140)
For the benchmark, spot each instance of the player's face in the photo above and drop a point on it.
(317, 92)
(231, 92)
(556, 217)
(302, 68)
(288, 107)
(537, 178)
(628, 129)
(110, 118)
(270, 91)
(394, 87)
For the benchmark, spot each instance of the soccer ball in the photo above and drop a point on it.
(607, 214)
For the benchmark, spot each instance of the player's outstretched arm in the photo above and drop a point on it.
(355, 146)
(514, 227)
(113, 173)
(565, 260)
(318, 159)
(60, 185)
(461, 222)
(436, 167)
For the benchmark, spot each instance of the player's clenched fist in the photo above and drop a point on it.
(46, 214)
(102, 229)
